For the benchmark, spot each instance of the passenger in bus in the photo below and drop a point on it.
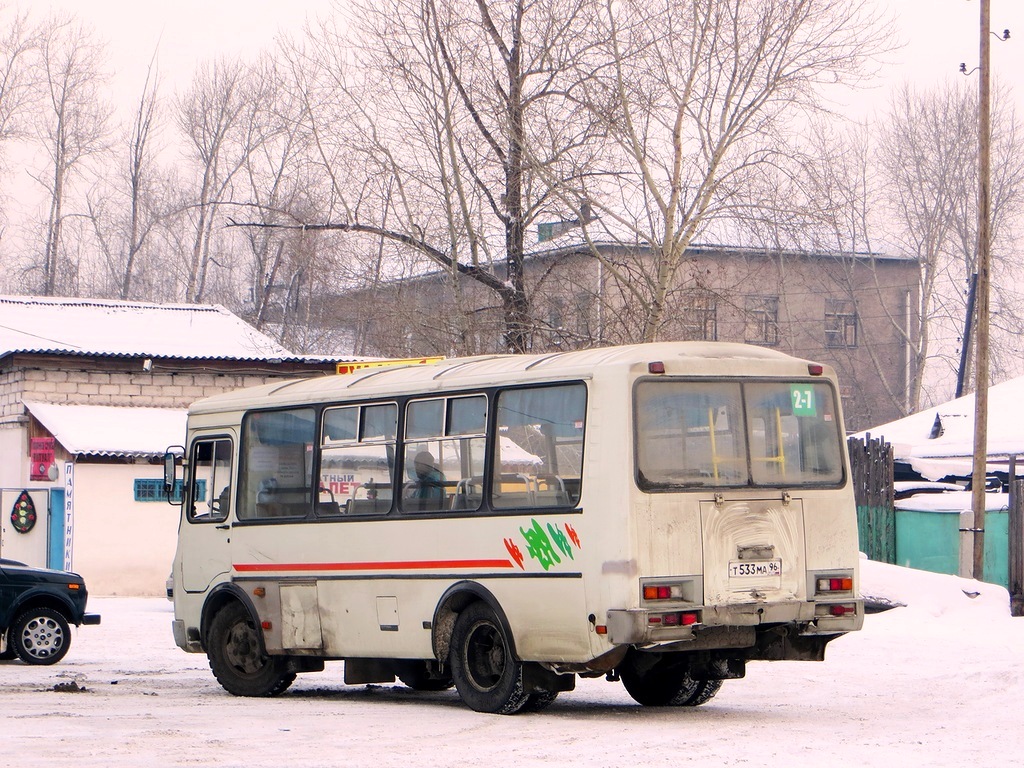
(223, 503)
(428, 487)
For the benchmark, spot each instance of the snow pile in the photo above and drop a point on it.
(923, 594)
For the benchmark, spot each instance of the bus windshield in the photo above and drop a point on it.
(729, 434)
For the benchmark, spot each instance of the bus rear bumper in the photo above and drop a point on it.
(733, 626)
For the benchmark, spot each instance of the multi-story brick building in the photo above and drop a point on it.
(92, 392)
(856, 312)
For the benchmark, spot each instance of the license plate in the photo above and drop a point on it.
(739, 569)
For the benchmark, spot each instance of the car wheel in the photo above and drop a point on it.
(41, 636)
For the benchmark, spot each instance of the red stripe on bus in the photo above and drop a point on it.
(416, 565)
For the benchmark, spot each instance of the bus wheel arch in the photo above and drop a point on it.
(236, 651)
(219, 598)
(456, 599)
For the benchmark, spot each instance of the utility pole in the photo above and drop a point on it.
(982, 306)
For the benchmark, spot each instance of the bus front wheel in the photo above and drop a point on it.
(487, 675)
(237, 658)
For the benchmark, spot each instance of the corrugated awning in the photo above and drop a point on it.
(106, 430)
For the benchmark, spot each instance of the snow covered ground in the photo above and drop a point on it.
(939, 682)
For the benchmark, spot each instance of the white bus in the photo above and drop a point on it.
(658, 514)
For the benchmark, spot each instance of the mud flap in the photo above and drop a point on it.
(784, 643)
(537, 679)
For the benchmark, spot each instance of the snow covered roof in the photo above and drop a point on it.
(938, 442)
(107, 430)
(952, 501)
(130, 329)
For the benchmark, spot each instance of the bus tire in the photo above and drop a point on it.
(487, 675)
(537, 702)
(663, 684)
(705, 692)
(40, 636)
(238, 660)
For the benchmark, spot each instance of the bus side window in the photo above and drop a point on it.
(357, 460)
(538, 447)
(444, 454)
(275, 477)
(210, 480)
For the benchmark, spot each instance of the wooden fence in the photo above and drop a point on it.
(871, 465)
(1015, 532)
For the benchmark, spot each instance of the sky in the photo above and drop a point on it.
(936, 682)
(937, 35)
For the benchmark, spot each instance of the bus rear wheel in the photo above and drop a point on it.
(657, 683)
(487, 675)
(237, 658)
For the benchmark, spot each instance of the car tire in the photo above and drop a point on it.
(40, 636)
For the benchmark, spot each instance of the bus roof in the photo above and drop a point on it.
(679, 357)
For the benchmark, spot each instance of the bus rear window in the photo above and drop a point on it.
(733, 434)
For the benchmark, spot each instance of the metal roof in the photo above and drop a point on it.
(71, 326)
(107, 430)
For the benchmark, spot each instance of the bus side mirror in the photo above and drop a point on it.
(170, 472)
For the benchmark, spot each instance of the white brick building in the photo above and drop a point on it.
(91, 393)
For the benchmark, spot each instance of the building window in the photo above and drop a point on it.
(840, 323)
(556, 313)
(700, 317)
(147, 489)
(762, 316)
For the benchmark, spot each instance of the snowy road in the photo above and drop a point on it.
(917, 687)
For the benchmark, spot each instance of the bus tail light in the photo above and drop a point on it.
(825, 585)
(834, 609)
(673, 619)
(678, 591)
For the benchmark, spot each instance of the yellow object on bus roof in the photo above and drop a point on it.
(353, 367)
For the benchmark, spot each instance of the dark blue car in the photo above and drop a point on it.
(37, 608)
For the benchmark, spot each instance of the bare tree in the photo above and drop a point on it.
(447, 110)
(928, 154)
(17, 45)
(125, 210)
(71, 128)
(701, 104)
(274, 180)
(217, 117)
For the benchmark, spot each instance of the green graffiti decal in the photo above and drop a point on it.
(539, 547)
(547, 547)
(561, 541)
